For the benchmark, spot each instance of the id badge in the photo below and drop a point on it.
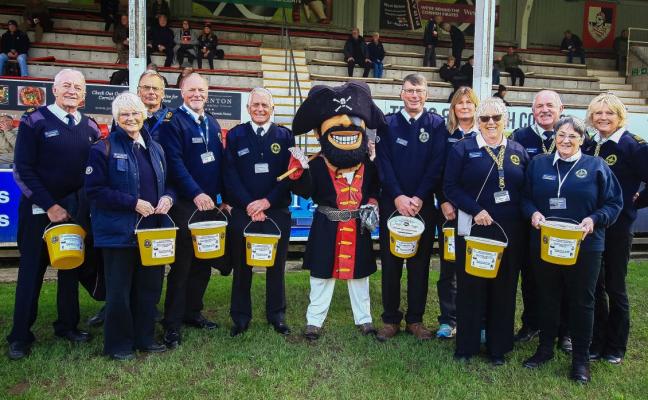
(36, 210)
(207, 157)
(557, 203)
(261, 168)
(502, 196)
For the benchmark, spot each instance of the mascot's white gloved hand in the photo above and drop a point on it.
(298, 162)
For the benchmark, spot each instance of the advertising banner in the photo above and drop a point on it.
(599, 24)
(400, 15)
(458, 13)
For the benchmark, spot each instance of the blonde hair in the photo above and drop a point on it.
(493, 103)
(613, 102)
(453, 121)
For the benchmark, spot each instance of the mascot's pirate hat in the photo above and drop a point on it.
(323, 102)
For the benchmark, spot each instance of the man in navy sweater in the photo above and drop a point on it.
(410, 155)
(50, 159)
(257, 152)
(193, 148)
(162, 39)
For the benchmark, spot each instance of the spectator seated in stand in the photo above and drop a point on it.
(450, 73)
(110, 13)
(187, 41)
(501, 93)
(376, 54)
(120, 38)
(466, 72)
(161, 40)
(573, 46)
(14, 45)
(8, 135)
(620, 48)
(208, 47)
(157, 8)
(187, 70)
(511, 62)
(37, 17)
(356, 53)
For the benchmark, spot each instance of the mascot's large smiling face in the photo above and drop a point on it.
(340, 117)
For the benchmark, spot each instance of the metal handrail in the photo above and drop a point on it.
(628, 49)
(290, 65)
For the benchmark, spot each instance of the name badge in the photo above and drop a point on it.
(548, 177)
(532, 150)
(37, 210)
(243, 152)
(120, 156)
(196, 140)
(52, 133)
(261, 168)
(453, 140)
(557, 203)
(207, 157)
(401, 141)
(474, 154)
(502, 196)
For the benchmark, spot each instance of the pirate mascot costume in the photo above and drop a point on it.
(343, 182)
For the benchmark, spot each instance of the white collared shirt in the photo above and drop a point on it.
(62, 114)
(193, 114)
(574, 157)
(482, 143)
(615, 137)
(474, 130)
(140, 141)
(265, 127)
(407, 116)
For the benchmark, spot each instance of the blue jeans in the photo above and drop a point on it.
(576, 52)
(22, 62)
(378, 69)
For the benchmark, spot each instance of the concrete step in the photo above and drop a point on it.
(282, 91)
(280, 59)
(602, 72)
(612, 79)
(615, 86)
(277, 52)
(636, 108)
(282, 67)
(634, 94)
(285, 75)
(633, 100)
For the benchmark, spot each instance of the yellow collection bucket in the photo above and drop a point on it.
(483, 256)
(404, 234)
(261, 248)
(208, 237)
(560, 242)
(65, 245)
(448, 243)
(156, 245)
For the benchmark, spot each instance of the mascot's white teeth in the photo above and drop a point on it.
(345, 139)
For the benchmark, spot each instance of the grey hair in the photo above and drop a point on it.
(59, 76)
(127, 101)
(492, 103)
(555, 95)
(415, 79)
(261, 91)
(576, 123)
(151, 72)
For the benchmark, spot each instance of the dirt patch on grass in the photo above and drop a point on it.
(18, 389)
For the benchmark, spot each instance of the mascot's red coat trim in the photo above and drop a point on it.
(349, 197)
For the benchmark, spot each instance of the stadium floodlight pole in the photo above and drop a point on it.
(484, 48)
(136, 42)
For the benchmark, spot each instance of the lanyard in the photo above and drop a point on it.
(499, 161)
(157, 123)
(562, 180)
(203, 134)
(597, 150)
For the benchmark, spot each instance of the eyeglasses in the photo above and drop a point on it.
(572, 138)
(146, 88)
(130, 114)
(412, 91)
(486, 118)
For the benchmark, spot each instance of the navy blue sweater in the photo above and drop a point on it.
(50, 157)
(628, 160)
(451, 140)
(590, 190)
(248, 152)
(467, 168)
(376, 51)
(410, 158)
(179, 135)
(533, 143)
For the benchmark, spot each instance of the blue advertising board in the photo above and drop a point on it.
(9, 198)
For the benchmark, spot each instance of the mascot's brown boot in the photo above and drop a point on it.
(419, 331)
(387, 332)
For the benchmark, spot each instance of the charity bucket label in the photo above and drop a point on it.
(163, 248)
(562, 248)
(208, 243)
(483, 259)
(405, 247)
(451, 244)
(70, 241)
(261, 252)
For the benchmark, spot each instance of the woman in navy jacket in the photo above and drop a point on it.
(569, 184)
(484, 180)
(125, 180)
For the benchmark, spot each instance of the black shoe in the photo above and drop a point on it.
(238, 329)
(75, 336)
(123, 356)
(202, 323)
(497, 361)
(312, 332)
(612, 359)
(580, 372)
(18, 350)
(154, 348)
(540, 357)
(565, 344)
(525, 334)
(281, 328)
(98, 319)
(172, 339)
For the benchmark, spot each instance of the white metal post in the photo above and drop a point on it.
(484, 48)
(136, 42)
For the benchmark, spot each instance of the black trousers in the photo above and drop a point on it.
(575, 283)
(530, 317)
(168, 53)
(612, 310)
(185, 50)
(429, 59)
(456, 53)
(359, 60)
(34, 260)
(210, 58)
(493, 299)
(188, 279)
(418, 269)
(515, 74)
(241, 306)
(132, 291)
(447, 283)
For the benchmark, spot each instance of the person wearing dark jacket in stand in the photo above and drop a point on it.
(458, 41)
(573, 46)
(162, 40)
(120, 38)
(376, 54)
(356, 53)
(14, 44)
(109, 12)
(430, 40)
(208, 47)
